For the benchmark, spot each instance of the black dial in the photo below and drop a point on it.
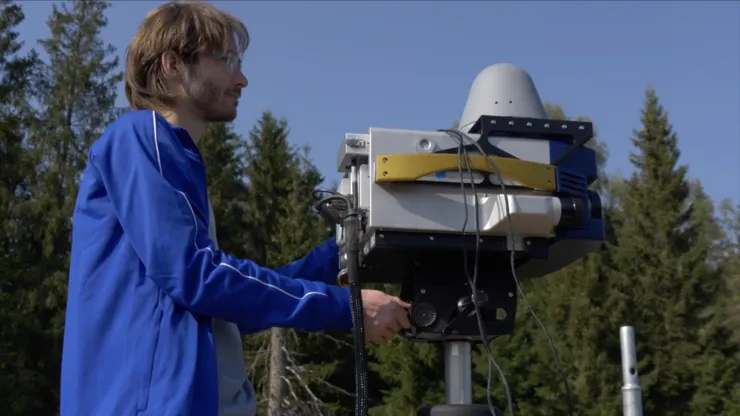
(423, 315)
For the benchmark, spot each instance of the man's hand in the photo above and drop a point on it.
(384, 316)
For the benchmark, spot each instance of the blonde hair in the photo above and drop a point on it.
(182, 27)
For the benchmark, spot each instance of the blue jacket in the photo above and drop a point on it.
(146, 282)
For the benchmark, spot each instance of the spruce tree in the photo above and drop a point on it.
(729, 261)
(223, 150)
(668, 287)
(411, 375)
(52, 125)
(281, 228)
(76, 92)
(76, 95)
(23, 379)
(729, 264)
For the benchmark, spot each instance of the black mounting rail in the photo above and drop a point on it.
(576, 133)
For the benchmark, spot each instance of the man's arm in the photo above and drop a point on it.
(320, 265)
(142, 167)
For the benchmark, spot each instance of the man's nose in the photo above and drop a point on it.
(241, 80)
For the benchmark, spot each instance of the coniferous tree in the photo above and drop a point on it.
(15, 171)
(46, 132)
(222, 150)
(22, 379)
(268, 170)
(411, 375)
(76, 92)
(297, 231)
(728, 253)
(76, 95)
(281, 228)
(667, 285)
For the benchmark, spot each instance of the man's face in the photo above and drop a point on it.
(215, 85)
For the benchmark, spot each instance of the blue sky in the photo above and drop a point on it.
(337, 67)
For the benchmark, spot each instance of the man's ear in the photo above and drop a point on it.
(171, 65)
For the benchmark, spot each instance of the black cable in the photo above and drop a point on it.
(461, 136)
(332, 196)
(473, 281)
(351, 225)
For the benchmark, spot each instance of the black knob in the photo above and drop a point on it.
(423, 315)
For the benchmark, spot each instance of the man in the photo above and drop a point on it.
(155, 310)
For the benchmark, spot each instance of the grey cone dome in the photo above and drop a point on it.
(502, 90)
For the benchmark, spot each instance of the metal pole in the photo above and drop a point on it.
(458, 378)
(631, 390)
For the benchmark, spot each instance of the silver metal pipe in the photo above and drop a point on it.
(458, 377)
(631, 390)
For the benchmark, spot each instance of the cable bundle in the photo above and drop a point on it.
(462, 155)
(351, 224)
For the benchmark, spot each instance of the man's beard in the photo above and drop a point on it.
(208, 100)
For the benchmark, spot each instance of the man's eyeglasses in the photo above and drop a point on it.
(232, 60)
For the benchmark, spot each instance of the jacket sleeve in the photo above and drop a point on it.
(320, 265)
(142, 166)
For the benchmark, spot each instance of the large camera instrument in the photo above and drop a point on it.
(454, 215)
